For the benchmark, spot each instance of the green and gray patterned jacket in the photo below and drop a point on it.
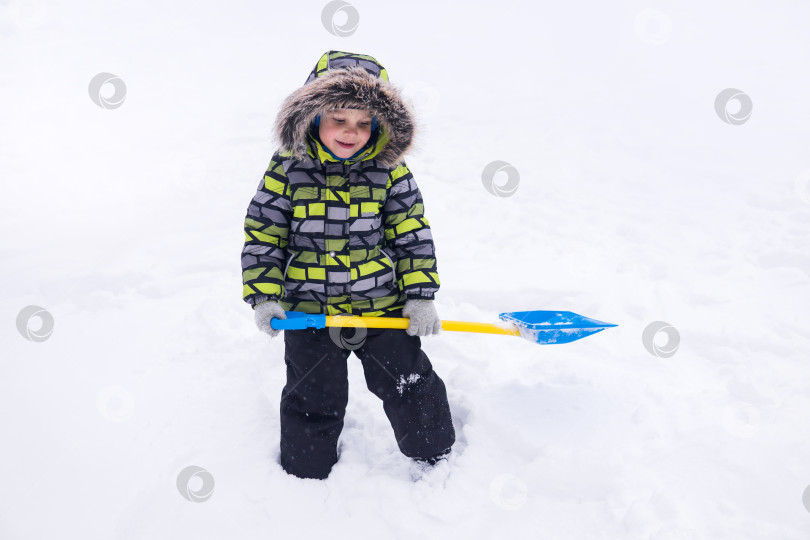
(330, 235)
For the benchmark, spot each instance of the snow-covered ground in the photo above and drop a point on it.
(637, 203)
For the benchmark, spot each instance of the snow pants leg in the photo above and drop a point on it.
(314, 399)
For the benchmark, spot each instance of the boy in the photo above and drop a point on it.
(337, 227)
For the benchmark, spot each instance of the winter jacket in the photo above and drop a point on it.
(331, 235)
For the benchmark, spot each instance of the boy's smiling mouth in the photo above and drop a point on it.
(345, 145)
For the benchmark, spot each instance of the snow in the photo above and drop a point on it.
(636, 205)
(404, 383)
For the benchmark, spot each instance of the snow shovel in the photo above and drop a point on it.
(544, 327)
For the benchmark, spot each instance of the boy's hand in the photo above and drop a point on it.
(265, 312)
(424, 318)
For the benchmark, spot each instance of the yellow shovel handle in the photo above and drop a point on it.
(402, 323)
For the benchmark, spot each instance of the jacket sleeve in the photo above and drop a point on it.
(407, 233)
(267, 226)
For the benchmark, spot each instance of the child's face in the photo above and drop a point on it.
(349, 126)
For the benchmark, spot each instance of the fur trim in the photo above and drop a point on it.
(352, 87)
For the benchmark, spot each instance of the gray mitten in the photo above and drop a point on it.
(266, 311)
(424, 318)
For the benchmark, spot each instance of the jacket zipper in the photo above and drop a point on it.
(289, 262)
(391, 262)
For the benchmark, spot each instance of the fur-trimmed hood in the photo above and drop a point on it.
(348, 80)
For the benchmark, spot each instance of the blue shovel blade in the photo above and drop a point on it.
(547, 327)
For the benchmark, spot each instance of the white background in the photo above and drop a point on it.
(636, 204)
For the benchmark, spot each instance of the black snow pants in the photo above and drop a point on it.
(313, 402)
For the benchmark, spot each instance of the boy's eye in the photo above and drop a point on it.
(341, 120)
